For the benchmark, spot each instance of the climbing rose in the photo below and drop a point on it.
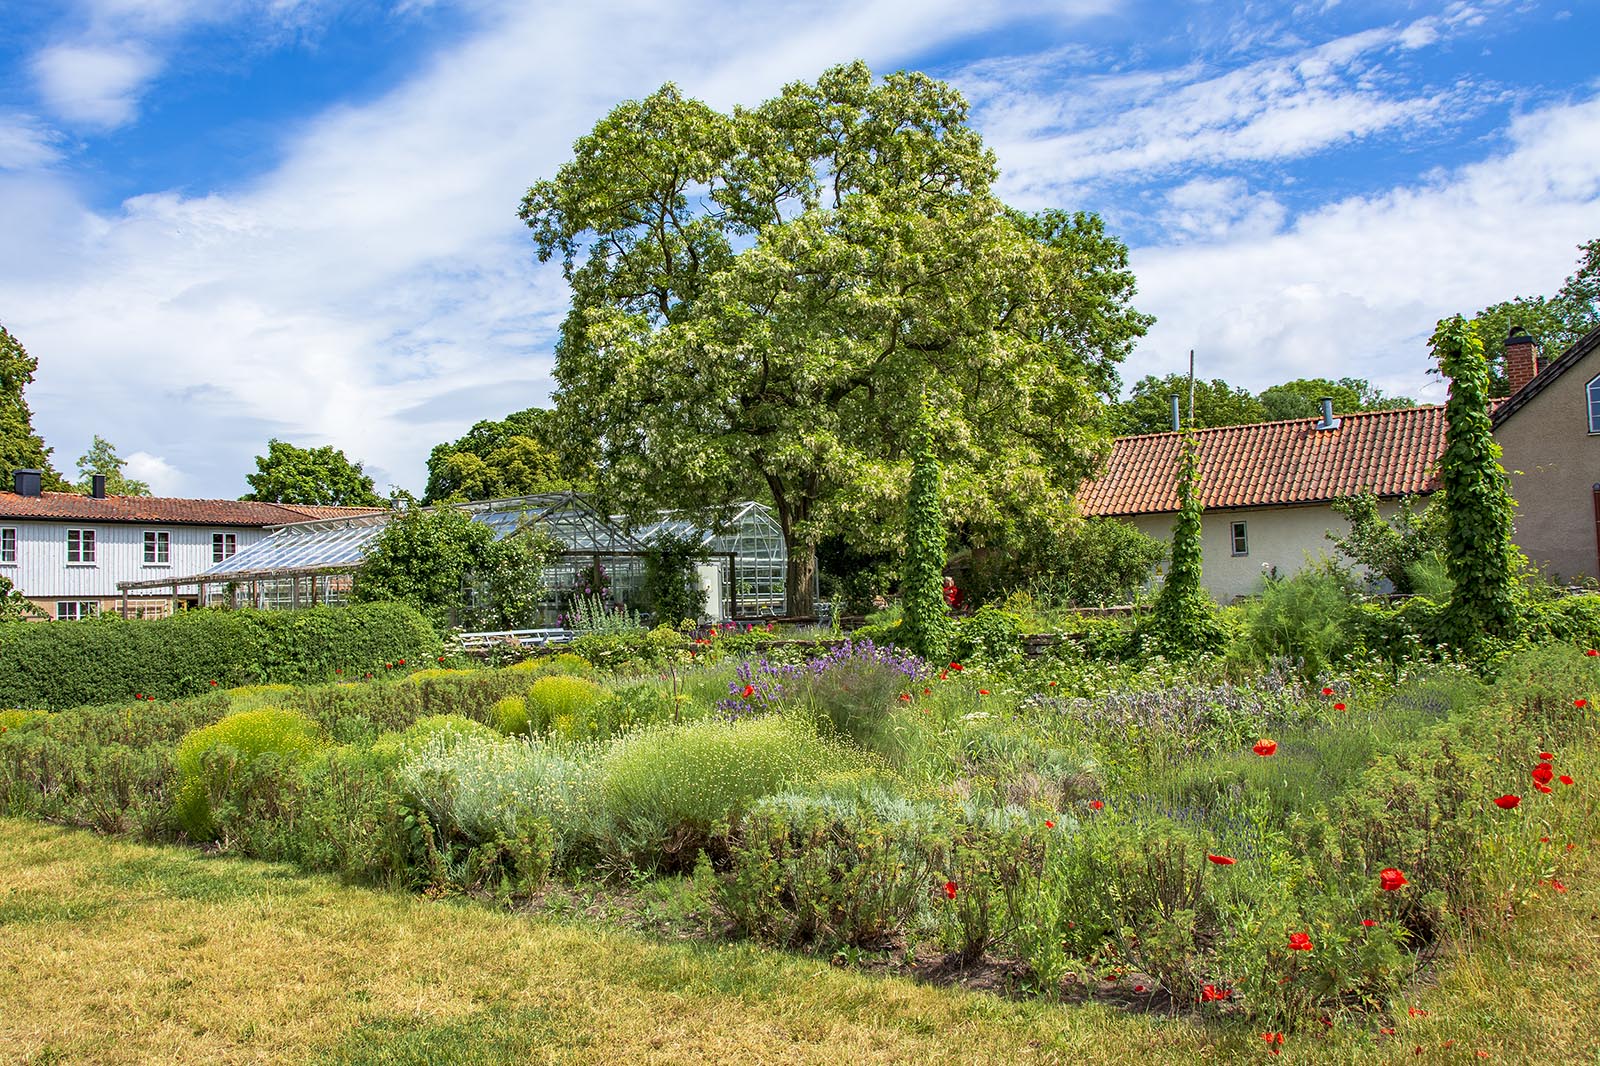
(1542, 773)
(1221, 860)
(1505, 803)
(1265, 747)
(1300, 942)
(1390, 879)
(949, 890)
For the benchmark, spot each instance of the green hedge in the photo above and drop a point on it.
(110, 659)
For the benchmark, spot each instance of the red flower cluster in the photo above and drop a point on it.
(949, 890)
(1542, 773)
(1368, 922)
(957, 667)
(1048, 824)
(1265, 747)
(1390, 879)
(1300, 942)
(1211, 992)
(1580, 702)
(1221, 860)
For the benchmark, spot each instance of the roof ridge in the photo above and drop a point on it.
(1281, 421)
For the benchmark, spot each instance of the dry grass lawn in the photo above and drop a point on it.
(114, 953)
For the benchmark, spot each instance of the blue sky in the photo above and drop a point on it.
(227, 220)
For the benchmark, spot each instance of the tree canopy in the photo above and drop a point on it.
(102, 458)
(756, 295)
(20, 447)
(1148, 409)
(1302, 398)
(287, 474)
(519, 455)
(1557, 322)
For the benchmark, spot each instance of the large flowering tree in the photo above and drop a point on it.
(758, 297)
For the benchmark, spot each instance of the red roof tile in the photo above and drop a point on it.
(71, 506)
(1391, 453)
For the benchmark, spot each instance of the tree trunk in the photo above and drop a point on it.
(799, 574)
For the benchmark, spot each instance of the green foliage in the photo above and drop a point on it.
(1185, 620)
(989, 635)
(214, 765)
(287, 474)
(668, 792)
(110, 659)
(1097, 563)
(1392, 549)
(1304, 618)
(558, 705)
(453, 570)
(437, 730)
(20, 447)
(521, 455)
(1570, 620)
(670, 585)
(1148, 409)
(927, 629)
(634, 645)
(1477, 506)
(1302, 398)
(1557, 322)
(707, 252)
(102, 459)
(15, 607)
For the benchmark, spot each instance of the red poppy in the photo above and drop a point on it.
(1138, 988)
(1095, 805)
(1327, 691)
(1546, 789)
(1544, 840)
(1221, 860)
(749, 690)
(1557, 885)
(949, 890)
(1565, 779)
(1300, 942)
(1338, 706)
(1390, 879)
(906, 696)
(1542, 773)
(1211, 992)
(1546, 756)
(1416, 1012)
(138, 695)
(1048, 824)
(338, 669)
(927, 692)
(1580, 702)
(956, 667)
(1505, 803)
(1264, 747)
(441, 658)
(213, 684)
(1592, 651)
(1052, 684)
(1272, 1038)
(402, 662)
(983, 692)
(1368, 922)
(944, 675)
(1387, 1031)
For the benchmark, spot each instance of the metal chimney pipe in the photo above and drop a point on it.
(1328, 421)
(1177, 413)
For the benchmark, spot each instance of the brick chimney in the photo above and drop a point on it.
(1521, 358)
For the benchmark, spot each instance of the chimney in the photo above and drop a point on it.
(1177, 413)
(27, 482)
(1328, 421)
(1521, 358)
(99, 489)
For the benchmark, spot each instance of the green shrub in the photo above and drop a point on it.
(668, 792)
(989, 635)
(447, 729)
(1570, 620)
(109, 659)
(511, 716)
(649, 647)
(348, 818)
(1303, 618)
(567, 706)
(16, 719)
(214, 762)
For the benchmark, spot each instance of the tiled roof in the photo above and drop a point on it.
(165, 510)
(1391, 453)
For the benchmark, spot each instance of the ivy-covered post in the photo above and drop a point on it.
(927, 626)
(1184, 617)
(1477, 496)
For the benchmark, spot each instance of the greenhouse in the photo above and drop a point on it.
(311, 563)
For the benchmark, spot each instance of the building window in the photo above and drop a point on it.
(1241, 539)
(80, 545)
(8, 545)
(157, 547)
(1594, 405)
(223, 546)
(73, 610)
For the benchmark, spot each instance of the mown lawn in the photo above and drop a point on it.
(117, 952)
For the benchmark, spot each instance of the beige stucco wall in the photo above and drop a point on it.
(1289, 538)
(1554, 464)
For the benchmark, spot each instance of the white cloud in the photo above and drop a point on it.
(163, 478)
(92, 84)
(26, 144)
(1214, 208)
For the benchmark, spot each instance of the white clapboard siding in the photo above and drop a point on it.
(42, 570)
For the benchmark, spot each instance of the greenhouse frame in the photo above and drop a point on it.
(309, 563)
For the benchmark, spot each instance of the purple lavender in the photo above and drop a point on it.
(852, 669)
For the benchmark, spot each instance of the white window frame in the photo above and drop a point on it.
(1239, 539)
(219, 546)
(8, 546)
(157, 547)
(1592, 393)
(76, 610)
(81, 542)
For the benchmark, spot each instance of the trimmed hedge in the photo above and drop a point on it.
(108, 660)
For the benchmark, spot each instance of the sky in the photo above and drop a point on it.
(223, 221)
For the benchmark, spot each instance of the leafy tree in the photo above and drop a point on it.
(1557, 322)
(521, 455)
(1391, 549)
(1216, 403)
(454, 571)
(754, 294)
(927, 622)
(102, 458)
(20, 447)
(14, 606)
(669, 578)
(1302, 397)
(287, 474)
(1185, 619)
(1477, 498)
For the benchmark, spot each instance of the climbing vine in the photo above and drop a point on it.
(927, 624)
(1185, 618)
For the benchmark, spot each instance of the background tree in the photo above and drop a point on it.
(927, 619)
(1477, 497)
(1148, 409)
(454, 571)
(1392, 549)
(520, 455)
(1302, 398)
(102, 458)
(287, 474)
(755, 293)
(1557, 322)
(20, 447)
